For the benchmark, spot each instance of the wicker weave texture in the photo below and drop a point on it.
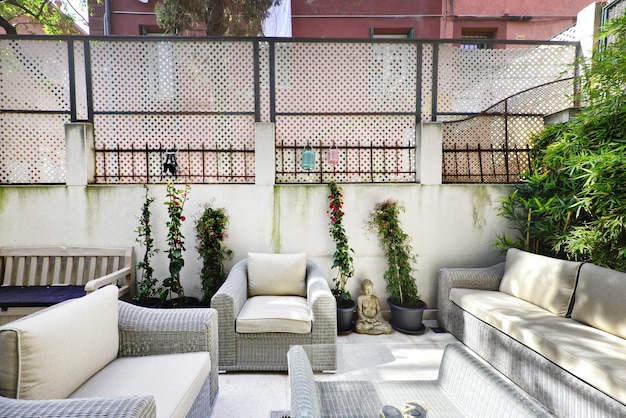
(145, 331)
(487, 278)
(466, 386)
(268, 351)
(113, 407)
(304, 399)
(557, 389)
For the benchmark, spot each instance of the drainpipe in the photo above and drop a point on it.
(107, 17)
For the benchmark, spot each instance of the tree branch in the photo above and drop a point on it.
(7, 26)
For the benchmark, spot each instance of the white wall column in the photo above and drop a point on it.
(588, 26)
(80, 157)
(429, 153)
(265, 153)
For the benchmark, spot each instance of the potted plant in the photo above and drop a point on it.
(342, 260)
(175, 203)
(211, 232)
(147, 290)
(404, 301)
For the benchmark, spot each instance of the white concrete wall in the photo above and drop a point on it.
(451, 225)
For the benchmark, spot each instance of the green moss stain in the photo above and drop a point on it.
(3, 199)
(276, 244)
(298, 202)
(481, 203)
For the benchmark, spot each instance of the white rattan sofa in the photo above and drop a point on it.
(96, 356)
(556, 328)
(268, 303)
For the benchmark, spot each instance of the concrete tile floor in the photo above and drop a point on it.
(395, 356)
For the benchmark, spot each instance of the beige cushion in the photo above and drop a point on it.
(275, 314)
(276, 274)
(49, 354)
(173, 379)
(544, 281)
(595, 356)
(599, 299)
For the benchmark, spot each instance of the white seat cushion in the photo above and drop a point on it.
(275, 314)
(593, 355)
(174, 380)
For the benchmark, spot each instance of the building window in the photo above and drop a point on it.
(397, 33)
(477, 35)
(151, 30)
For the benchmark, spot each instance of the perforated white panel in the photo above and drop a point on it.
(345, 77)
(33, 77)
(197, 97)
(371, 148)
(470, 81)
(211, 148)
(170, 76)
(35, 152)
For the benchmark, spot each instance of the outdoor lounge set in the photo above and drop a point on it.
(541, 337)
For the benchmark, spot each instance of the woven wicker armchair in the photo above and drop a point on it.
(143, 334)
(267, 351)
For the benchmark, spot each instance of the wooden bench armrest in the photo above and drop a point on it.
(112, 278)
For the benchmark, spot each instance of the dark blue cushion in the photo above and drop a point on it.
(14, 296)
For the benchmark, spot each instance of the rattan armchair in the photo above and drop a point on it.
(267, 351)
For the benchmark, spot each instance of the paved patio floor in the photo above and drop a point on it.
(395, 356)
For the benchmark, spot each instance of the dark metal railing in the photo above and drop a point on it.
(188, 165)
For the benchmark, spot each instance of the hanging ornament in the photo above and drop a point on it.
(308, 158)
(171, 165)
(332, 155)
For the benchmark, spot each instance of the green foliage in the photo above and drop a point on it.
(219, 17)
(572, 203)
(211, 231)
(175, 203)
(384, 220)
(342, 258)
(146, 287)
(43, 12)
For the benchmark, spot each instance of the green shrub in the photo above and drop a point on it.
(572, 202)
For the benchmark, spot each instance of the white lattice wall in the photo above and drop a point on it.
(203, 97)
(33, 76)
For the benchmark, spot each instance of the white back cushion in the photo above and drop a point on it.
(276, 274)
(599, 299)
(544, 281)
(49, 354)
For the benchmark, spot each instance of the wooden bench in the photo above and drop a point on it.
(37, 277)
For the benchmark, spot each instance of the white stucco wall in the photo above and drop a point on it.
(451, 225)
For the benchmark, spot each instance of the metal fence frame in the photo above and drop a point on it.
(81, 109)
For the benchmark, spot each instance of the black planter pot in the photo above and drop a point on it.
(345, 316)
(190, 302)
(407, 320)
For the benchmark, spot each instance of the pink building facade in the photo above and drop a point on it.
(481, 19)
